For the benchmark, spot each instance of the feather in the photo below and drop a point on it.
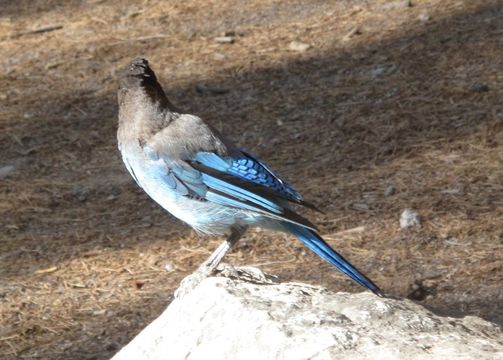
(316, 244)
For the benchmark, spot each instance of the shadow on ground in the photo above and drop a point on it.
(319, 120)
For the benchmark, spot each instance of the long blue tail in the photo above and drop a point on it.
(314, 242)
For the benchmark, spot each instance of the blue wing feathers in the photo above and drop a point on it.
(241, 182)
(228, 201)
(249, 169)
(212, 160)
(254, 170)
(241, 193)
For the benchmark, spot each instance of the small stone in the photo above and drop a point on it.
(424, 17)
(409, 218)
(390, 191)
(453, 241)
(225, 39)
(480, 87)
(81, 194)
(298, 46)
(383, 70)
(5, 171)
(455, 189)
(99, 312)
(400, 4)
(169, 267)
(360, 207)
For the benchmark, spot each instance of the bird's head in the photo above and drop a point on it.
(137, 74)
(139, 79)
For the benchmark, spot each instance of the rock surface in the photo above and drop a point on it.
(225, 318)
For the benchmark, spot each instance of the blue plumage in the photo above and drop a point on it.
(240, 193)
(250, 169)
(184, 165)
(317, 245)
(253, 171)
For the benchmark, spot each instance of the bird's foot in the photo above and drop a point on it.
(193, 280)
(227, 270)
(190, 282)
(246, 273)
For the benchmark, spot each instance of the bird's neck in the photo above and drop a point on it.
(141, 114)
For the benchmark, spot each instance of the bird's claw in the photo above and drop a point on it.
(190, 282)
(227, 270)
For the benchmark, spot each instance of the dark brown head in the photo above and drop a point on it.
(137, 74)
(139, 77)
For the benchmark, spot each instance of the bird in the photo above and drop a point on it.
(199, 176)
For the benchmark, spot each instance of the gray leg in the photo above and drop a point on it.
(211, 264)
(191, 281)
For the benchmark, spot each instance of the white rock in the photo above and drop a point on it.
(390, 191)
(224, 39)
(393, 5)
(6, 171)
(409, 218)
(169, 266)
(424, 17)
(298, 46)
(99, 312)
(233, 319)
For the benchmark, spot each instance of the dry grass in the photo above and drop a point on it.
(83, 251)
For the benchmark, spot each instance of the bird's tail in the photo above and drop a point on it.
(314, 242)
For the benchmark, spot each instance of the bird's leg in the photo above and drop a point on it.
(205, 270)
(216, 257)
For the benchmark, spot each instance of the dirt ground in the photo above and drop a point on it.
(392, 107)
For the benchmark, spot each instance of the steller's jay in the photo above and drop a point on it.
(200, 177)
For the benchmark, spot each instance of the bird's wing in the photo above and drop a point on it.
(248, 169)
(234, 180)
